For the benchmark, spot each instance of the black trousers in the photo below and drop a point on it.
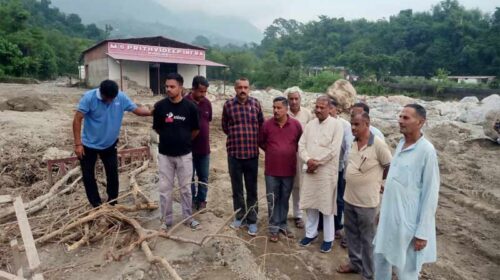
(109, 158)
(239, 170)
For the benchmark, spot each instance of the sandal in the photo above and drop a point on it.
(346, 268)
(274, 237)
(287, 233)
(299, 223)
(343, 243)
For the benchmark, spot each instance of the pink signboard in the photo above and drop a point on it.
(155, 51)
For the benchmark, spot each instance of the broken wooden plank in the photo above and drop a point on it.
(24, 227)
(5, 198)
(16, 256)
(8, 276)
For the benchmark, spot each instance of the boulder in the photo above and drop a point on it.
(491, 125)
(401, 99)
(476, 114)
(469, 99)
(345, 94)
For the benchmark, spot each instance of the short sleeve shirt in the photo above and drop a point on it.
(175, 122)
(102, 121)
(364, 172)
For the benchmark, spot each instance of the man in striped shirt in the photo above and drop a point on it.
(242, 119)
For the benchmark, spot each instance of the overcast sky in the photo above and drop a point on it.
(262, 12)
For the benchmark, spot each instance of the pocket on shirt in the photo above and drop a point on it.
(368, 165)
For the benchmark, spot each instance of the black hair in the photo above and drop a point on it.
(364, 115)
(108, 88)
(333, 102)
(199, 81)
(242, 79)
(281, 99)
(362, 105)
(419, 109)
(175, 76)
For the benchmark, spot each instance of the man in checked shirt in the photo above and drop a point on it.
(242, 119)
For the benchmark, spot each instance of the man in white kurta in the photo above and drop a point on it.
(406, 234)
(303, 115)
(319, 148)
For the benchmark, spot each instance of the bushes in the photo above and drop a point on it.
(320, 82)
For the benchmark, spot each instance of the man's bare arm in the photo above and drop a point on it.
(77, 134)
(143, 111)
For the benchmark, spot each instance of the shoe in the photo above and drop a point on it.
(236, 224)
(164, 227)
(252, 229)
(299, 223)
(306, 241)
(194, 225)
(326, 247)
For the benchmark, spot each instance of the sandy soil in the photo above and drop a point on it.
(467, 218)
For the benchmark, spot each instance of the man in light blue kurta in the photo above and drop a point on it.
(406, 234)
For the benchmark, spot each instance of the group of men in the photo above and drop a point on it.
(334, 169)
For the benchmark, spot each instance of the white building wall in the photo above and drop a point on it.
(137, 71)
(97, 72)
(114, 70)
(188, 72)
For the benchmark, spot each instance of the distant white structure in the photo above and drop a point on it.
(81, 72)
(472, 79)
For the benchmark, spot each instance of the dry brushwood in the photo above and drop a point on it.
(142, 202)
(34, 205)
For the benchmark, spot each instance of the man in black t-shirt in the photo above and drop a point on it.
(176, 121)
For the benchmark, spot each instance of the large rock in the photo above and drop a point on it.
(477, 114)
(491, 125)
(401, 99)
(344, 93)
(469, 99)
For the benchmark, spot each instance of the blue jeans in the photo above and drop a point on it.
(340, 201)
(278, 191)
(200, 170)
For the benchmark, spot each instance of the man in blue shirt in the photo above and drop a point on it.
(102, 112)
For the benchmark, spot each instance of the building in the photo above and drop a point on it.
(145, 61)
(472, 79)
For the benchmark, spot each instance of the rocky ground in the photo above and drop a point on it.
(467, 217)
